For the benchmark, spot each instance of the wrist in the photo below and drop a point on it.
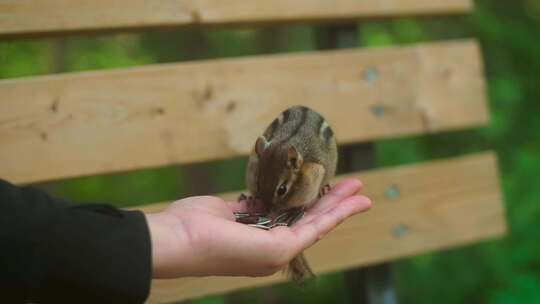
(163, 242)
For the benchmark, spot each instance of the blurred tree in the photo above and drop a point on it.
(502, 271)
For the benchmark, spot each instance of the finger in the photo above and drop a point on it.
(351, 206)
(339, 192)
(310, 232)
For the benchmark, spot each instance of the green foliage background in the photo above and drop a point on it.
(501, 271)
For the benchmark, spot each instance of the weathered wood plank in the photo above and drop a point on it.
(417, 209)
(98, 122)
(74, 16)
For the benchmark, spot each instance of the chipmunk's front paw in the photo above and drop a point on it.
(254, 211)
(324, 190)
(252, 204)
(242, 197)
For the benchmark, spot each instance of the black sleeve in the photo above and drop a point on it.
(52, 252)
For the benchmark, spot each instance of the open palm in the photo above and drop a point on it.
(198, 236)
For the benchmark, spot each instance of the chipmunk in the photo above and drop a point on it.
(290, 167)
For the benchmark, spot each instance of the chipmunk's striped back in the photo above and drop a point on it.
(307, 131)
(298, 121)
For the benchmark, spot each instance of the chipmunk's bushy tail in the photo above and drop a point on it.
(299, 270)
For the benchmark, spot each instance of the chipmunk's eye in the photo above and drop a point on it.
(282, 189)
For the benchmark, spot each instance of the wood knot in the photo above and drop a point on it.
(55, 105)
(204, 96)
(196, 17)
(231, 106)
(445, 74)
(157, 111)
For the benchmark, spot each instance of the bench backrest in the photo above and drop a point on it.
(79, 124)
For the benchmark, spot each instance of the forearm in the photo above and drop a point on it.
(53, 251)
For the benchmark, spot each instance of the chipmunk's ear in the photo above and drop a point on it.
(294, 159)
(261, 145)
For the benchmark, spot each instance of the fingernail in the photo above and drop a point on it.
(364, 203)
(368, 201)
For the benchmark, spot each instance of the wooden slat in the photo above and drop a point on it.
(97, 122)
(417, 209)
(22, 17)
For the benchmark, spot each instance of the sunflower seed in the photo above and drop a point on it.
(239, 215)
(279, 225)
(296, 217)
(282, 217)
(259, 226)
(263, 220)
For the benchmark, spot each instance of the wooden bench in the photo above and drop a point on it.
(79, 124)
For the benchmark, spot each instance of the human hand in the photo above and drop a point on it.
(198, 236)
